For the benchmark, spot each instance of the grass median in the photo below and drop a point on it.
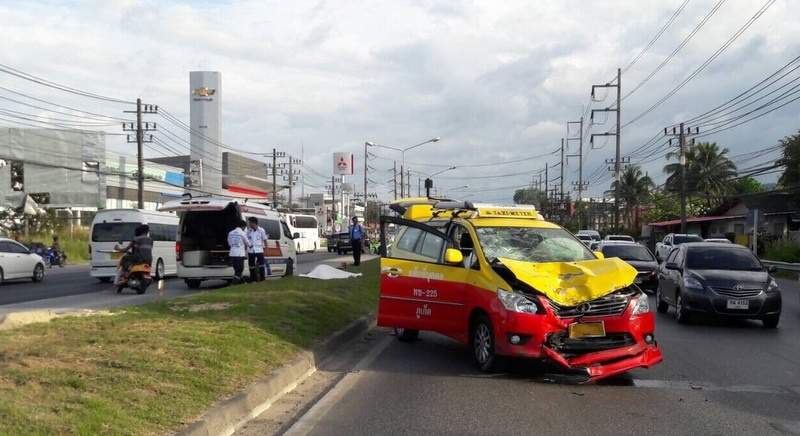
(152, 369)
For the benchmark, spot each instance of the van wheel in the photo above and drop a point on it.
(193, 283)
(104, 279)
(406, 335)
(289, 268)
(341, 252)
(483, 345)
(159, 270)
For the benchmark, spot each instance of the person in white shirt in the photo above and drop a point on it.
(237, 240)
(255, 254)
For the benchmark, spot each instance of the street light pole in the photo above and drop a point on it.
(403, 159)
(366, 202)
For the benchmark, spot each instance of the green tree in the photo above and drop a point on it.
(709, 171)
(635, 189)
(790, 160)
(747, 185)
(532, 196)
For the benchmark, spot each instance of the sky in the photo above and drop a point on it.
(501, 83)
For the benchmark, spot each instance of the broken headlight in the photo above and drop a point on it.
(516, 302)
(642, 306)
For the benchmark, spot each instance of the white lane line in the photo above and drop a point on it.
(313, 417)
(701, 386)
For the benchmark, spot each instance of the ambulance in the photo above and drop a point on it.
(202, 247)
(510, 284)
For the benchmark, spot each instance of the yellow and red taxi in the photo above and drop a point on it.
(510, 284)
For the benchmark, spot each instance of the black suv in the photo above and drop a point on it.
(343, 244)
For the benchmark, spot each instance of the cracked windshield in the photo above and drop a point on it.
(531, 244)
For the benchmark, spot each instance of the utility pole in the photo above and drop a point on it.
(617, 133)
(274, 168)
(140, 139)
(684, 131)
(394, 184)
(291, 176)
(561, 204)
(366, 201)
(333, 202)
(546, 184)
(580, 186)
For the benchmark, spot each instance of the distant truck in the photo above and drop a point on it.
(670, 241)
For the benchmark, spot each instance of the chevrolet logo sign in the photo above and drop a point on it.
(204, 91)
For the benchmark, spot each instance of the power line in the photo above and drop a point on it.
(655, 38)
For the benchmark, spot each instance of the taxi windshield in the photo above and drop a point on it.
(531, 244)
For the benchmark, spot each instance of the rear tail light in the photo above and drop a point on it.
(90, 251)
(178, 255)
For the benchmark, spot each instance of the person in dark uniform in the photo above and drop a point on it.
(356, 231)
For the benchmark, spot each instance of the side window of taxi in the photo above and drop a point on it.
(417, 244)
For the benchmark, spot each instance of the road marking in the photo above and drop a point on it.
(313, 417)
(700, 386)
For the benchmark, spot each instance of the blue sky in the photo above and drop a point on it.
(497, 81)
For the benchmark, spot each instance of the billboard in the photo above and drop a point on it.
(343, 164)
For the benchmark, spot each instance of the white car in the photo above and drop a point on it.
(722, 240)
(620, 238)
(18, 262)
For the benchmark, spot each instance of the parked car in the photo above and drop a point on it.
(586, 239)
(343, 244)
(623, 238)
(722, 240)
(594, 234)
(331, 240)
(639, 257)
(718, 279)
(19, 262)
(671, 240)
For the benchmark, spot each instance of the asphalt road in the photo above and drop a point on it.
(717, 378)
(72, 288)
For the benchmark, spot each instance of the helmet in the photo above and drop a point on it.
(55, 237)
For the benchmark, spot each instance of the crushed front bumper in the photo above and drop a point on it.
(628, 341)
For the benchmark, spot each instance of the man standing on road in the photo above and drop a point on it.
(356, 231)
(237, 240)
(255, 254)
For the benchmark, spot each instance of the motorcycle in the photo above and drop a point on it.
(137, 278)
(54, 257)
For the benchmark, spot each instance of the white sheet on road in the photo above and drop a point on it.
(327, 272)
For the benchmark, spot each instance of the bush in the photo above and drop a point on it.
(783, 250)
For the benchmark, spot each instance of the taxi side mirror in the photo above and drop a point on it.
(453, 256)
(599, 254)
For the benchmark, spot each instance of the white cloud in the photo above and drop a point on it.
(498, 81)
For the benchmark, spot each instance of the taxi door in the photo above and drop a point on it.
(419, 291)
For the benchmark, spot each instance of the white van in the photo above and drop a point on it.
(112, 227)
(202, 247)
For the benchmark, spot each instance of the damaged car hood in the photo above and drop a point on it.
(572, 283)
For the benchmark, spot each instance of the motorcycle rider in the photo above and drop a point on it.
(141, 250)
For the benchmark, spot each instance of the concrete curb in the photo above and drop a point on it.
(230, 415)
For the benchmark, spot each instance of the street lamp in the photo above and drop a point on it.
(403, 158)
(429, 181)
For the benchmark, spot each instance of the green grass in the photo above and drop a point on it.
(154, 368)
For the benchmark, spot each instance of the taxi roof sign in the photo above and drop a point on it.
(507, 210)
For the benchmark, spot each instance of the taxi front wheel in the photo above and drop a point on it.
(483, 345)
(406, 335)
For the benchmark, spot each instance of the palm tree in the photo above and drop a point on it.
(634, 189)
(709, 171)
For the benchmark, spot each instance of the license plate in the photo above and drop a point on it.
(738, 304)
(117, 255)
(587, 329)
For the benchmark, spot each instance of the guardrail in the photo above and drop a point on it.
(782, 265)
